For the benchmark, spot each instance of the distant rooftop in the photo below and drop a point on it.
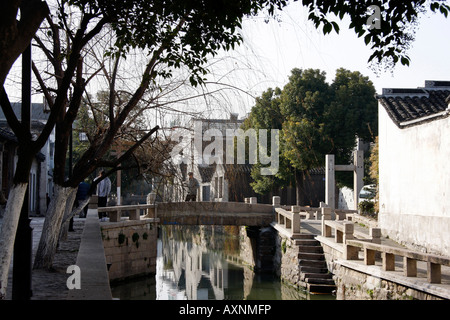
(37, 111)
(412, 106)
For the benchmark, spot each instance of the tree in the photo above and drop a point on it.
(16, 35)
(174, 33)
(353, 106)
(28, 147)
(315, 119)
(266, 114)
(304, 142)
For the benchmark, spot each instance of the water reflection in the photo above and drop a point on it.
(198, 263)
(203, 263)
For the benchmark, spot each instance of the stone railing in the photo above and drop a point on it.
(134, 211)
(388, 253)
(354, 241)
(345, 230)
(290, 220)
(250, 200)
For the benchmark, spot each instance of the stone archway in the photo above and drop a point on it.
(358, 174)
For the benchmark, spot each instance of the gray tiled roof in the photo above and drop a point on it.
(407, 107)
(37, 111)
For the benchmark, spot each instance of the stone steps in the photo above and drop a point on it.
(320, 288)
(313, 267)
(311, 256)
(310, 249)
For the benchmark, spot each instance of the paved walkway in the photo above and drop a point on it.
(84, 248)
(420, 282)
(51, 285)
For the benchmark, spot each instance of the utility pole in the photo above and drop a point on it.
(22, 263)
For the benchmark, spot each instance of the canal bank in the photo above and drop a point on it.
(212, 263)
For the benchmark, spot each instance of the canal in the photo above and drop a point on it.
(203, 263)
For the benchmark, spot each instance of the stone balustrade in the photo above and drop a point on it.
(250, 200)
(354, 242)
(290, 220)
(388, 253)
(134, 211)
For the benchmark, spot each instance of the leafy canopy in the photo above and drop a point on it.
(315, 118)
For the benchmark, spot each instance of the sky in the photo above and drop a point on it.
(277, 47)
(270, 51)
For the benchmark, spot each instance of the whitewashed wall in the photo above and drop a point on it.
(414, 166)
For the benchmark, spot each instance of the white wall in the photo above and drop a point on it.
(346, 200)
(414, 188)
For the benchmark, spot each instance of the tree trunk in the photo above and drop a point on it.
(51, 228)
(67, 215)
(299, 187)
(8, 232)
(12, 213)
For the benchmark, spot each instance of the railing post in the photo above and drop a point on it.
(326, 215)
(348, 231)
(276, 201)
(375, 234)
(295, 222)
(151, 199)
(253, 200)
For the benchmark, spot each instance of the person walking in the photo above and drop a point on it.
(103, 190)
(192, 186)
(82, 194)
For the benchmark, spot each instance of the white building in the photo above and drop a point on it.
(414, 166)
(203, 149)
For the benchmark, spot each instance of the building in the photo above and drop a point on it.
(41, 173)
(414, 166)
(203, 147)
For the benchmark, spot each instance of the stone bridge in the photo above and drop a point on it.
(199, 213)
(215, 213)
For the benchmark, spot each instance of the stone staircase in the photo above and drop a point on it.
(314, 274)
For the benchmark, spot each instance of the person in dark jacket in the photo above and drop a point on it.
(82, 194)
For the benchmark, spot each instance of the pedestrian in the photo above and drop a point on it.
(103, 190)
(192, 186)
(82, 194)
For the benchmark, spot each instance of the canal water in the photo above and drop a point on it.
(203, 263)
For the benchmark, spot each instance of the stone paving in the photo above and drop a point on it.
(51, 284)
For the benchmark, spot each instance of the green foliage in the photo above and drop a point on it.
(366, 207)
(283, 246)
(315, 118)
